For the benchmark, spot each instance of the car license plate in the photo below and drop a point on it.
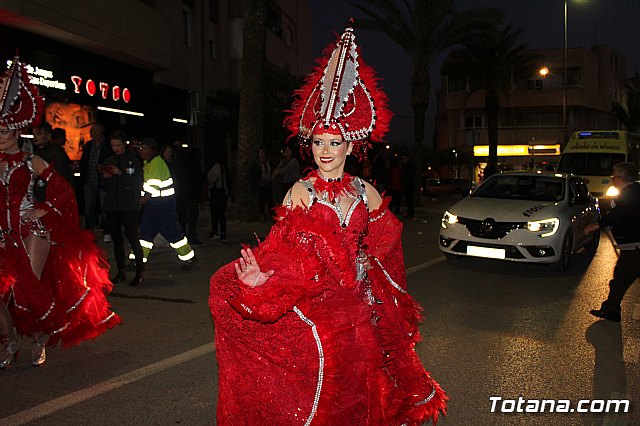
(486, 252)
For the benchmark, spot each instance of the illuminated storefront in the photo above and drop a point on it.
(518, 157)
(82, 88)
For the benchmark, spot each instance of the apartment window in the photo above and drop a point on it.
(186, 26)
(274, 22)
(456, 84)
(287, 36)
(212, 49)
(473, 122)
(535, 84)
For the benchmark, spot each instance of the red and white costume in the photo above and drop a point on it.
(69, 301)
(329, 338)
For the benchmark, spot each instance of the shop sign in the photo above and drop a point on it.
(517, 150)
(42, 77)
(105, 90)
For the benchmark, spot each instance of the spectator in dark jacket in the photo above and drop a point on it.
(94, 153)
(122, 179)
(188, 179)
(50, 153)
(624, 220)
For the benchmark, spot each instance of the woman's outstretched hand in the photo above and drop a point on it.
(248, 270)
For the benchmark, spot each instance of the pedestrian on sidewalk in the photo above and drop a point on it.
(217, 179)
(624, 220)
(315, 325)
(122, 179)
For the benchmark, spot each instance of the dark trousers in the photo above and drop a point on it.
(396, 199)
(188, 211)
(627, 270)
(217, 207)
(409, 195)
(129, 221)
(265, 198)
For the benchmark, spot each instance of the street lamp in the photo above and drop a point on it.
(455, 164)
(564, 79)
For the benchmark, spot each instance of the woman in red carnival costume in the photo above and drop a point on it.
(315, 325)
(53, 278)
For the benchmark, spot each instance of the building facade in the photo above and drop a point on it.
(531, 118)
(150, 67)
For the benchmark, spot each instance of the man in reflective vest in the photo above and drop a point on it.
(159, 214)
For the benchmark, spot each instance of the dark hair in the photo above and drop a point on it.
(45, 126)
(628, 172)
(150, 142)
(118, 134)
(58, 132)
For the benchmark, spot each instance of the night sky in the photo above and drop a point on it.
(590, 22)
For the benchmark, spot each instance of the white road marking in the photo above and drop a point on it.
(73, 398)
(81, 395)
(425, 265)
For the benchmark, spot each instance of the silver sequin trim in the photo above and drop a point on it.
(46, 314)
(107, 318)
(79, 301)
(316, 337)
(373, 219)
(60, 329)
(430, 397)
(386, 274)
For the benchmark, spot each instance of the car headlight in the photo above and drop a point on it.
(449, 218)
(548, 226)
(612, 192)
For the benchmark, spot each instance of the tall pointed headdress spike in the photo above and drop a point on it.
(341, 96)
(20, 104)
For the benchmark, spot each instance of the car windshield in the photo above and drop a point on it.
(538, 188)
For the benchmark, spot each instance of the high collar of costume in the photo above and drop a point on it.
(334, 188)
(12, 157)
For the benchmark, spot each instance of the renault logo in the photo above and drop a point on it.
(487, 225)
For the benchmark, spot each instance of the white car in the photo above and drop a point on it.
(522, 217)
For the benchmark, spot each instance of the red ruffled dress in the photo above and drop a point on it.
(324, 341)
(69, 301)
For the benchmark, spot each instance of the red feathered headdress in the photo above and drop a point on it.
(341, 96)
(20, 104)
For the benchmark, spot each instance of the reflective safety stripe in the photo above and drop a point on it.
(159, 188)
(183, 242)
(146, 244)
(160, 183)
(187, 256)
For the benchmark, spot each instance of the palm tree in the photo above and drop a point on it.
(251, 110)
(629, 113)
(492, 63)
(424, 29)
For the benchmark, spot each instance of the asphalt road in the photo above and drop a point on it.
(491, 329)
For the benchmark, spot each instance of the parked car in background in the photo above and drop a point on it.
(434, 187)
(523, 217)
